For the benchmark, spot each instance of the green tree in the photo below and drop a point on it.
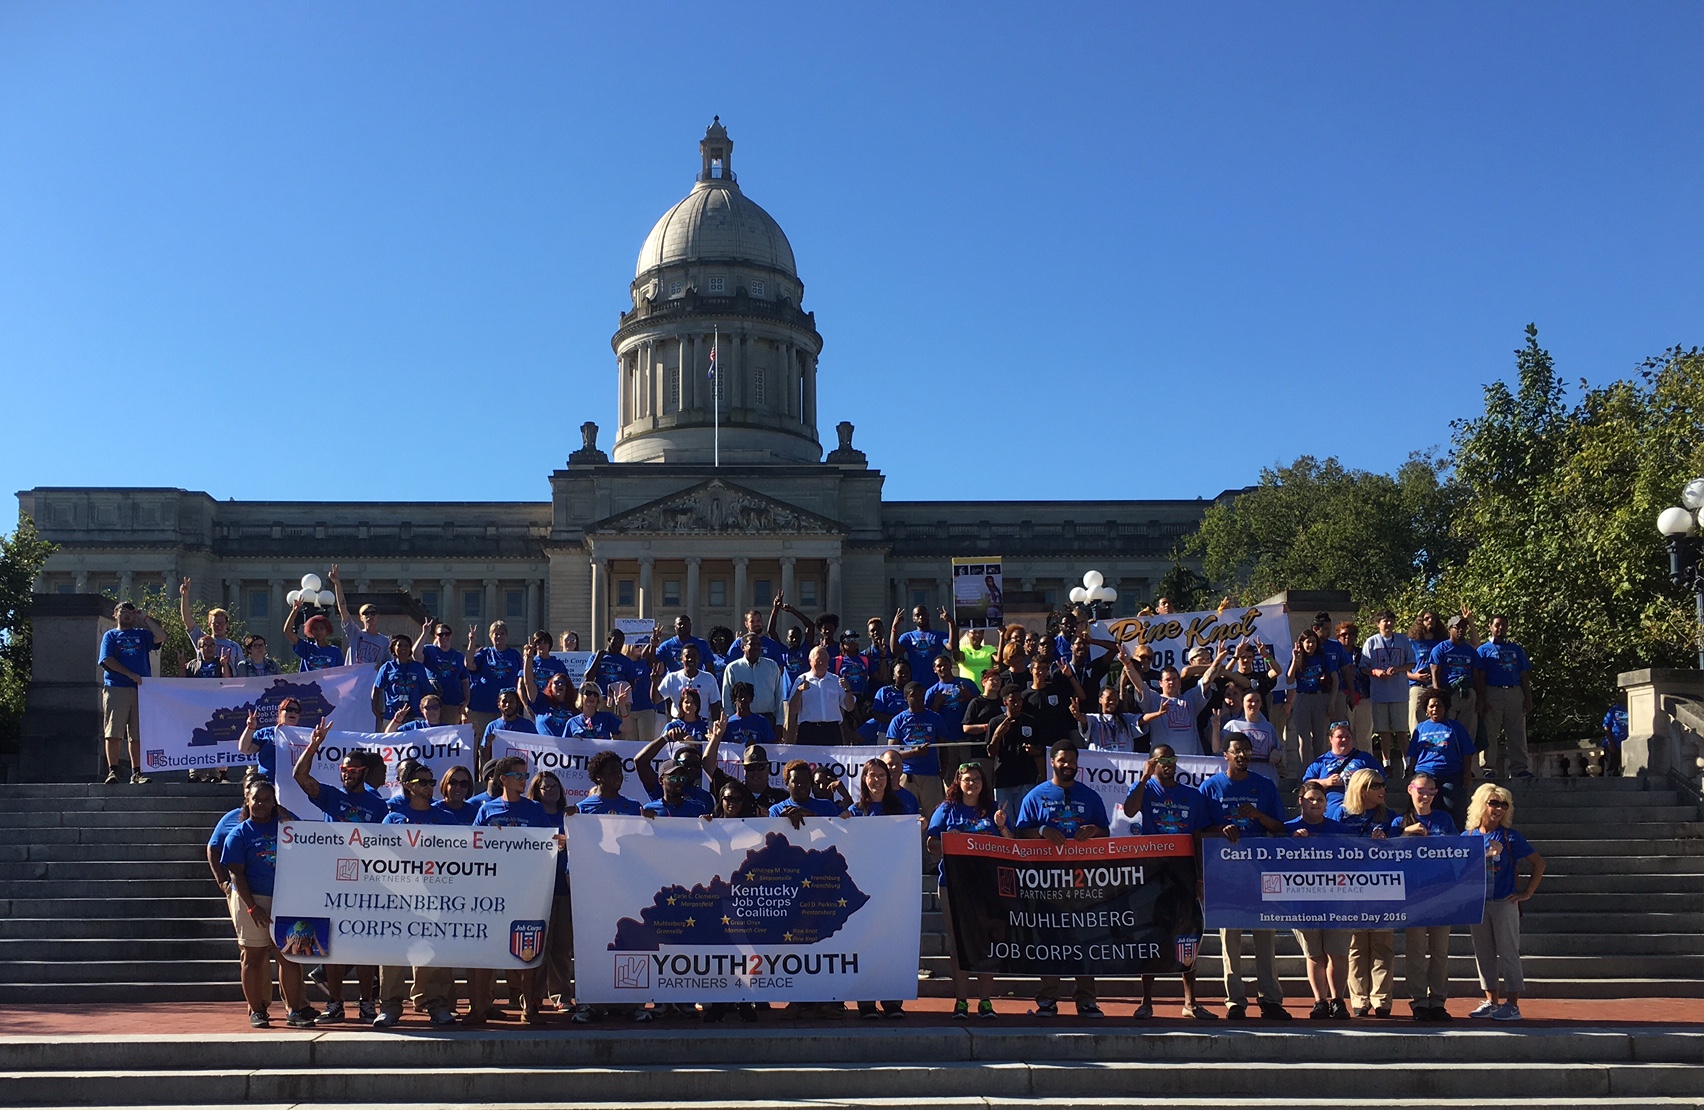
(22, 555)
(1316, 525)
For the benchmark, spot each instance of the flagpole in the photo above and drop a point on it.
(716, 393)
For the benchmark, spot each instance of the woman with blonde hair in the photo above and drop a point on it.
(1497, 938)
(1372, 952)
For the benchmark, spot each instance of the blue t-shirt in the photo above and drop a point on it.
(1346, 765)
(695, 791)
(1227, 796)
(688, 807)
(314, 657)
(922, 727)
(462, 816)
(908, 802)
(1182, 809)
(669, 652)
(1457, 662)
(363, 807)
(128, 647)
(1362, 824)
(524, 813)
(223, 829)
(498, 671)
(432, 815)
(620, 805)
(1503, 663)
(817, 807)
(606, 670)
(1065, 809)
(449, 672)
(678, 730)
(955, 694)
(1311, 680)
(889, 702)
(1438, 823)
(1423, 649)
(600, 726)
(401, 684)
(744, 731)
(1336, 656)
(267, 754)
(1500, 869)
(519, 724)
(869, 732)
(1440, 748)
(773, 649)
(416, 723)
(959, 818)
(552, 720)
(1615, 727)
(853, 672)
(204, 668)
(795, 662)
(921, 646)
(1326, 827)
(639, 678)
(254, 848)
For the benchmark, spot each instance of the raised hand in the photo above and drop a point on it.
(183, 588)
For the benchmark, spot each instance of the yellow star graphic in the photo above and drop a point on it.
(804, 882)
(671, 899)
(788, 937)
(727, 920)
(689, 923)
(843, 902)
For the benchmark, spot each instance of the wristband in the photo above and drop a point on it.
(253, 910)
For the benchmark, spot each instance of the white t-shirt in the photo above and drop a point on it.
(1176, 727)
(1263, 742)
(364, 647)
(1112, 732)
(676, 682)
(1393, 651)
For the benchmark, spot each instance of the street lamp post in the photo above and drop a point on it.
(1679, 525)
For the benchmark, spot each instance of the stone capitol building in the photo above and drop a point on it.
(654, 527)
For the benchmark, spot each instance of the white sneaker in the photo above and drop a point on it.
(1508, 1011)
(1485, 1010)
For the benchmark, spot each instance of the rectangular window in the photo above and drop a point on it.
(473, 604)
(625, 591)
(757, 288)
(674, 288)
(718, 592)
(65, 588)
(762, 594)
(514, 604)
(922, 595)
(808, 593)
(429, 601)
(718, 285)
(671, 592)
(757, 400)
(259, 605)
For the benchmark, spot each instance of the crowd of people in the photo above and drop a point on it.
(981, 732)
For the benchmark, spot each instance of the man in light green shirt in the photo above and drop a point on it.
(974, 657)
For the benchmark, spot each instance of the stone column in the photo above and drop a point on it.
(447, 611)
(600, 601)
(647, 586)
(275, 592)
(82, 582)
(693, 564)
(491, 603)
(533, 623)
(406, 586)
(790, 406)
(741, 602)
(229, 591)
(944, 594)
(834, 586)
(787, 562)
(808, 370)
(124, 586)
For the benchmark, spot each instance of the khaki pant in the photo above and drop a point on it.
(1505, 715)
(434, 986)
(1426, 959)
(1497, 947)
(1464, 707)
(643, 724)
(1415, 713)
(929, 790)
(1309, 717)
(119, 715)
(1053, 989)
(1265, 971)
(1371, 954)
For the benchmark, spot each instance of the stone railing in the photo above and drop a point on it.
(1663, 718)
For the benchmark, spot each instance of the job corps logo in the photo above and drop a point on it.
(526, 940)
(1186, 950)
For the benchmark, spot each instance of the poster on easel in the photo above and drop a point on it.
(978, 593)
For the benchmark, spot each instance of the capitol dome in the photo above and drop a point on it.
(716, 223)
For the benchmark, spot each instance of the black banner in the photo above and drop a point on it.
(1114, 906)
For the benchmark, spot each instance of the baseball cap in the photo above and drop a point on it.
(755, 754)
(1457, 621)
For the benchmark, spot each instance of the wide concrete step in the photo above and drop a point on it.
(1296, 987)
(183, 835)
(159, 788)
(114, 907)
(203, 818)
(1604, 816)
(1628, 922)
(103, 871)
(1625, 825)
(115, 928)
(1011, 1079)
(1623, 865)
(128, 801)
(124, 890)
(129, 851)
(1547, 900)
(1462, 967)
(1570, 844)
(1622, 884)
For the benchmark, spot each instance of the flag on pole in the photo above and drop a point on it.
(712, 374)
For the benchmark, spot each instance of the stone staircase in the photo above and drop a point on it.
(105, 896)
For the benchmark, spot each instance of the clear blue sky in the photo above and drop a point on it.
(1187, 241)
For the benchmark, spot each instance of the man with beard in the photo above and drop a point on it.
(1059, 810)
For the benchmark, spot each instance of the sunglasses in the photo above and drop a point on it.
(1497, 805)
(419, 782)
(1339, 724)
(1167, 760)
(465, 784)
(1424, 792)
(1375, 786)
(970, 766)
(514, 774)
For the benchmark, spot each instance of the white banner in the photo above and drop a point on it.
(567, 757)
(191, 723)
(577, 662)
(1112, 774)
(421, 895)
(439, 748)
(636, 631)
(754, 910)
(1175, 635)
